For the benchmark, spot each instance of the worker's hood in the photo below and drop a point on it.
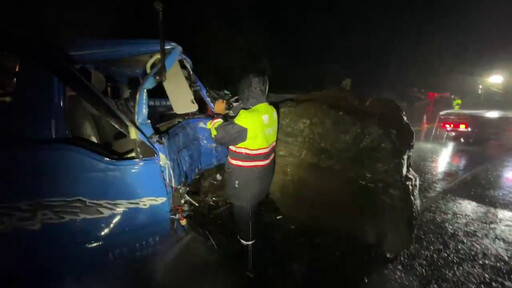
(253, 90)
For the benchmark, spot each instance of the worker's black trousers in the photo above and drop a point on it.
(245, 217)
(246, 188)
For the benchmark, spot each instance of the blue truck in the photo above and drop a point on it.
(89, 167)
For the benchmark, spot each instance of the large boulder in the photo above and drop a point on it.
(345, 166)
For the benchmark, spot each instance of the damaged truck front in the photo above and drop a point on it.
(93, 148)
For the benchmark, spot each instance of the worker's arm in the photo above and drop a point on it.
(226, 133)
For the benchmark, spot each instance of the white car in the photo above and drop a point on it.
(473, 126)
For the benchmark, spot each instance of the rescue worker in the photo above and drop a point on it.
(456, 102)
(251, 138)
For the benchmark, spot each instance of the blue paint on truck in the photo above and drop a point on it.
(85, 179)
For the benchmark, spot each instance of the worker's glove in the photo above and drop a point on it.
(220, 107)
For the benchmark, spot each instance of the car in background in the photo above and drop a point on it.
(474, 126)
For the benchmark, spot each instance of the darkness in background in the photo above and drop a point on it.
(380, 44)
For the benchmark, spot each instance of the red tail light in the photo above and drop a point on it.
(463, 127)
(448, 126)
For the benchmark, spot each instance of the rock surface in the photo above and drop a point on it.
(346, 166)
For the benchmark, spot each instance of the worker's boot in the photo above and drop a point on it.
(248, 245)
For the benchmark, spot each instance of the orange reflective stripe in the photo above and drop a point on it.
(212, 124)
(252, 151)
(241, 163)
(214, 121)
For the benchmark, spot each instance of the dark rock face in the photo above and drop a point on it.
(346, 166)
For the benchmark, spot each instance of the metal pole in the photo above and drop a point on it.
(159, 6)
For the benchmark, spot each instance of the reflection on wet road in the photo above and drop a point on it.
(490, 186)
(459, 243)
(441, 165)
(481, 173)
(464, 235)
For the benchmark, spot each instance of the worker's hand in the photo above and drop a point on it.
(220, 107)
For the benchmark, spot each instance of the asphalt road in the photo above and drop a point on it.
(464, 235)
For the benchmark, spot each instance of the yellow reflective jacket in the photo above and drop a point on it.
(253, 135)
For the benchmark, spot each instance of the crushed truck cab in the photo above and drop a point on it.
(88, 170)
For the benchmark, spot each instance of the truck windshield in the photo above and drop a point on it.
(34, 97)
(90, 128)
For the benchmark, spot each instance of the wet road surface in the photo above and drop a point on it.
(463, 236)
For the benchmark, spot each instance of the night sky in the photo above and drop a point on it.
(380, 45)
